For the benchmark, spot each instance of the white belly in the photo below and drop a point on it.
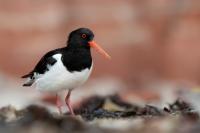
(58, 78)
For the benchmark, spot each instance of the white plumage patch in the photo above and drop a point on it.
(59, 78)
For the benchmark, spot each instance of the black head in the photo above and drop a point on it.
(80, 38)
(83, 38)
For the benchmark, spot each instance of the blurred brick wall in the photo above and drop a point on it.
(147, 39)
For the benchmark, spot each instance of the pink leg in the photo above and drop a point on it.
(58, 104)
(67, 100)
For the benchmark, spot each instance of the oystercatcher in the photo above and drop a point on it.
(65, 68)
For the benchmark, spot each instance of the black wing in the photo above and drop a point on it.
(42, 65)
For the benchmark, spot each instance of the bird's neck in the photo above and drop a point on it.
(77, 59)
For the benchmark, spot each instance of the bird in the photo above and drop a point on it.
(66, 68)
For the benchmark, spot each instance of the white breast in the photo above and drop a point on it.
(59, 78)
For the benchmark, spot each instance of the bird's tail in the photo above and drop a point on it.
(29, 82)
(27, 75)
(30, 79)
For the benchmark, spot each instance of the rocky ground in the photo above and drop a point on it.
(103, 114)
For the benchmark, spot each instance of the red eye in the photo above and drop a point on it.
(83, 36)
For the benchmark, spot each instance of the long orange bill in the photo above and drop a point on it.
(99, 49)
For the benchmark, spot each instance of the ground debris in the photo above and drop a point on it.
(38, 119)
(102, 111)
(106, 107)
(114, 107)
(179, 106)
(149, 110)
(9, 113)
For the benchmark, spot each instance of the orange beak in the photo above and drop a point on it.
(99, 49)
